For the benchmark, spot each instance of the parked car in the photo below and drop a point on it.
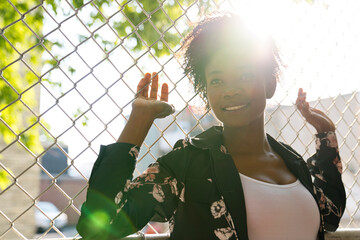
(52, 214)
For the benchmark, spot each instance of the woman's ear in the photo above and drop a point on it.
(270, 87)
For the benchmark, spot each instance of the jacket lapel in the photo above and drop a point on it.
(225, 176)
(229, 185)
(294, 162)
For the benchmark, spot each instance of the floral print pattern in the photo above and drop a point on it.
(223, 149)
(168, 190)
(218, 208)
(118, 197)
(171, 223)
(327, 140)
(326, 205)
(224, 233)
(316, 171)
(173, 185)
(158, 193)
(127, 185)
(331, 140)
(184, 143)
(134, 152)
(231, 223)
(338, 164)
(182, 195)
(321, 166)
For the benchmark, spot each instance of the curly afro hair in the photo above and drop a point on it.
(215, 31)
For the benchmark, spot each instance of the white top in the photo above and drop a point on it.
(279, 212)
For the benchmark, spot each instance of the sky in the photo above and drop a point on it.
(318, 44)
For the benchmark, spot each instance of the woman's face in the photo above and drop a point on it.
(236, 87)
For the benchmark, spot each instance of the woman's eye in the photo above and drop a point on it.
(215, 81)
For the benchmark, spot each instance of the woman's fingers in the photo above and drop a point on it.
(301, 96)
(301, 103)
(315, 117)
(164, 92)
(154, 85)
(146, 87)
(140, 87)
(148, 102)
(143, 86)
(299, 99)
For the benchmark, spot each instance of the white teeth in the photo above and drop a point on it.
(235, 107)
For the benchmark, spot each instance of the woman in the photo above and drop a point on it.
(231, 181)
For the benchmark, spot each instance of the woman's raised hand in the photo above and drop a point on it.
(147, 103)
(145, 108)
(315, 117)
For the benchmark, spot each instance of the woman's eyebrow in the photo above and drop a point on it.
(241, 67)
(214, 72)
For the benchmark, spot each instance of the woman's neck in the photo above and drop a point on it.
(246, 140)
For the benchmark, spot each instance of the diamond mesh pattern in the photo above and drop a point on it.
(68, 87)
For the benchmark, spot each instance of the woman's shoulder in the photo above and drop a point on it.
(181, 144)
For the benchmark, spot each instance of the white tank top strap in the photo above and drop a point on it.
(279, 212)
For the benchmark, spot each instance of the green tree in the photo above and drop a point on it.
(16, 89)
(18, 48)
(22, 44)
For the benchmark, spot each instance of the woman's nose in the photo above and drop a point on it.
(231, 92)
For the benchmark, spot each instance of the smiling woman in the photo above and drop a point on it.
(236, 93)
(233, 68)
(202, 186)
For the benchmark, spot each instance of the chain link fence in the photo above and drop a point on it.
(68, 76)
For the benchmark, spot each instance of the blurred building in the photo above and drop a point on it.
(58, 186)
(16, 201)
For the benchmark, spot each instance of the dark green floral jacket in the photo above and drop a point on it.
(197, 188)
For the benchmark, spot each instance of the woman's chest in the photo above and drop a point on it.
(272, 170)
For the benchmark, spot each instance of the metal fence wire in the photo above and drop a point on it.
(68, 76)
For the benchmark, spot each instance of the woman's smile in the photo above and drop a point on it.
(235, 107)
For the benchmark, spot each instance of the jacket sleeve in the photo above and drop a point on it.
(116, 205)
(326, 168)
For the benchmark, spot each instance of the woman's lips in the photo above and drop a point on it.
(235, 107)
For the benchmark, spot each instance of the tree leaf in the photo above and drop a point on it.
(78, 3)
